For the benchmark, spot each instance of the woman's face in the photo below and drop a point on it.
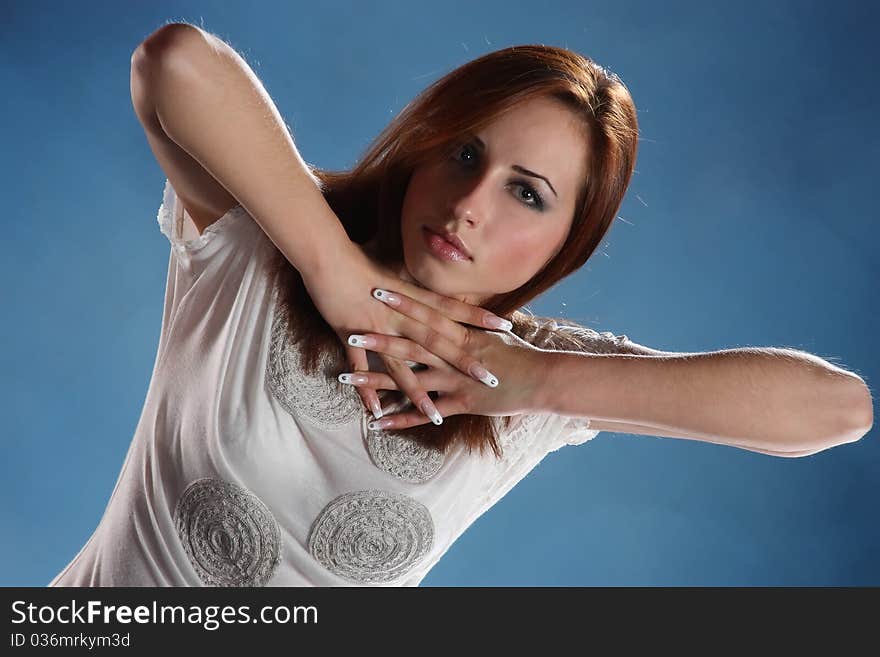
(511, 222)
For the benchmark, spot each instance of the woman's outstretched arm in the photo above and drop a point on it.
(775, 401)
(769, 400)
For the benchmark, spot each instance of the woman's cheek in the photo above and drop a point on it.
(518, 259)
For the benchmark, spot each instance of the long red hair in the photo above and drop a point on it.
(368, 198)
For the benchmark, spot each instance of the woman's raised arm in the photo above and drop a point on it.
(206, 99)
(210, 103)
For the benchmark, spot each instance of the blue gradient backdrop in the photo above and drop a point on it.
(751, 221)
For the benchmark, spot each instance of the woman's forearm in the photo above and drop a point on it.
(776, 399)
(211, 104)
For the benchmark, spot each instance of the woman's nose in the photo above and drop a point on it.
(471, 205)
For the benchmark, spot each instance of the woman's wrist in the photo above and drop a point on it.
(546, 379)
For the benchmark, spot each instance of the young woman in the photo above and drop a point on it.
(256, 460)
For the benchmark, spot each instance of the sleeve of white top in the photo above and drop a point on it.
(192, 251)
(573, 431)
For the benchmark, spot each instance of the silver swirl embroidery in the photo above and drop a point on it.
(320, 398)
(230, 536)
(372, 536)
(400, 456)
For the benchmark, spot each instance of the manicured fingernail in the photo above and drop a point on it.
(352, 378)
(361, 341)
(386, 296)
(499, 323)
(377, 409)
(483, 375)
(431, 411)
(380, 424)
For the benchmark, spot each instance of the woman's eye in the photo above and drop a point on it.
(534, 200)
(537, 201)
(464, 149)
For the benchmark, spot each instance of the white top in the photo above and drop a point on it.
(243, 471)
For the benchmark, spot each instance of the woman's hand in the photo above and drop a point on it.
(341, 290)
(448, 349)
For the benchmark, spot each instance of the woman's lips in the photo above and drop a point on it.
(442, 249)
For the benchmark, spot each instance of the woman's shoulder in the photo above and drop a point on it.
(560, 334)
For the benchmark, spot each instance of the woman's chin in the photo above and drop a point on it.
(427, 278)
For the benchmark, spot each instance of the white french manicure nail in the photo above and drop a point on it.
(431, 411)
(386, 296)
(352, 378)
(377, 409)
(360, 341)
(502, 324)
(483, 375)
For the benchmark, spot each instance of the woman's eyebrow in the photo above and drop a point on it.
(520, 169)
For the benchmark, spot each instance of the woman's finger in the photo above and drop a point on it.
(453, 309)
(437, 333)
(446, 406)
(435, 345)
(436, 318)
(399, 347)
(409, 383)
(431, 379)
(358, 360)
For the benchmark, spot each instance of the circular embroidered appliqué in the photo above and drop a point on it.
(401, 456)
(371, 536)
(318, 398)
(230, 536)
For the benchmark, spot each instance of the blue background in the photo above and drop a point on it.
(751, 221)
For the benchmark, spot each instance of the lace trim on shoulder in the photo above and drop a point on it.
(575, 431)
(170, 219)
(553, 335)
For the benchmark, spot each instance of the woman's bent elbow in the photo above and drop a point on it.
(165, 45)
